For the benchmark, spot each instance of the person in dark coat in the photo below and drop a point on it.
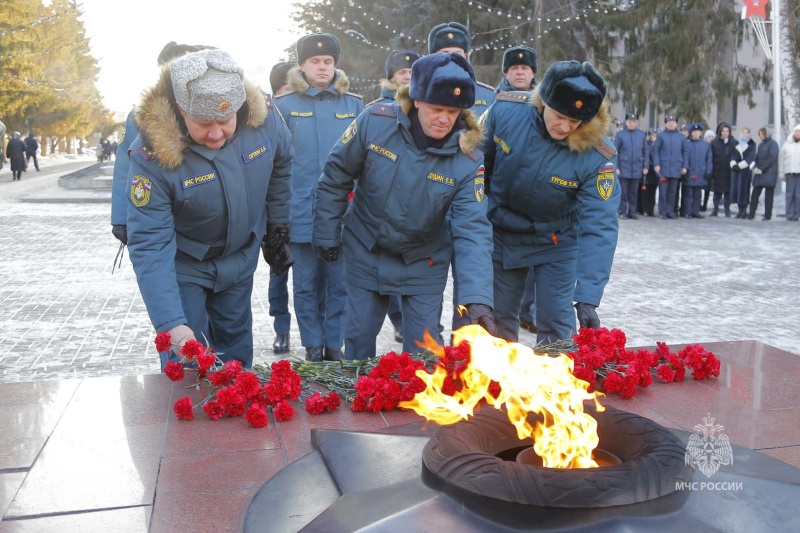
(633, 161)
(744, 153)
(765, 174)
(15, 151)
(669, 153)
(722, 163)
(519, 69)
(31, 147)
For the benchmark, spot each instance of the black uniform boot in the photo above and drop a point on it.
(281, 344)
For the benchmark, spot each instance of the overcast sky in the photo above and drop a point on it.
(126, 38)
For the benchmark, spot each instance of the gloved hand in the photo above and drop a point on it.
(743, 165)
(587, 316)
(277, 235)
(757, 172)
(120, 231)
(278, 260)
(483, 316)
(327, 254)
(733, 164)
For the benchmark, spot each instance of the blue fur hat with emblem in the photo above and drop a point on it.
(574, 89)
(317, 44)
(520, 55)
(443, 79)
(398, 60)
(448, 35)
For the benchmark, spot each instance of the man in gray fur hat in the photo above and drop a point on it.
(209, 176)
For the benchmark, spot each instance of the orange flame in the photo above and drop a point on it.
(529, 382)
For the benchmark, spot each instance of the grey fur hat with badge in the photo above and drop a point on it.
(317, 44)
(573, 89)
(448, 35)
(208, 85)
(445, 79)
(520, 55)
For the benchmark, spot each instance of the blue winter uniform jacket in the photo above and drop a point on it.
(119, 184)
(669, 151)
(633, 153)
(316, 119)
(484, 97)
(698, 162)
(540, 189)
(388, 92)
(200, 214)
(401, 204)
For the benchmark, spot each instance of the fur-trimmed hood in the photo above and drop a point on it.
(589, 133)
(297, 82)
(468, 140)
(163, 129)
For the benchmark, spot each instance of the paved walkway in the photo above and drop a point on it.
(64, 314)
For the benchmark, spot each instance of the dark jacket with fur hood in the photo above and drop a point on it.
(540, 188)
(400, 210)
(316, 118)
(198, 213)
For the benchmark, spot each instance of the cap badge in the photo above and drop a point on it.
(578, 104)
(457, 91)
(449, 35)
(521, 55)
(408, 58)
(319, 44)
(224, 106)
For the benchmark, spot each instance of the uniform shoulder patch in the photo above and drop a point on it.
(383, 110)
(479, 183)
(145, 152)
(268, 100)
(605, 180)
(486, 85)
(355, 95)
(475, 155)
(140, 190)
(276, 96)
(520, 97)
(606, 148)
(350, 132)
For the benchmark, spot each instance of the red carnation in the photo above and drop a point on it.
(192, 348)
(629, 384)
(232, 402)
(174, 371)
(494, 389)
(256, 416)
(183, 408)
(163, 341)
(220, 378)
(248, 384)
(612, 383)
(359, 404)
(665, 373)
(213, 410)
(234, 367)
(206, 361)
(332, 401)
(283, 411)
(315, 404)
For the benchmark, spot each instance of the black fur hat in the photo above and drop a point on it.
(172, 50)
(448, 34)
(277, 76)
(520, 55)
(443, 79)
(399, 59)
(573, 89)
(317, 44)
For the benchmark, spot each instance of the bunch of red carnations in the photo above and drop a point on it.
(602, 360)
(235, 392)
(391, 381)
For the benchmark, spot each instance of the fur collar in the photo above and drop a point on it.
(387, 85)
(468, 140)
(588, 134)
(298, 83)
(163, 129)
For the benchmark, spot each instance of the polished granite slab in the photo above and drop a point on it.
(109, 451)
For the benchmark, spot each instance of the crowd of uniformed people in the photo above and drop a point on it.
(514, 190)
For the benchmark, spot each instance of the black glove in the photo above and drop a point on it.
(327, 254)
(279, 261)
(482, 315)
(120, 231)
(587, 316)
(277, 235)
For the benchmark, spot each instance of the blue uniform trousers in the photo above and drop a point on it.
(319, 297)
(667, 196)
(528, 312)
(366, 311)
(460, 317)
(628, 195)
(222, 320)
(692, 198)
(279, 302)
(555, 288)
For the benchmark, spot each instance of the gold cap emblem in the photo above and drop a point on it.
(457, 91)
(408, 58)
(521, 55)
(579, 104)
(319, 44)
(449, 35)
(224, 106)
